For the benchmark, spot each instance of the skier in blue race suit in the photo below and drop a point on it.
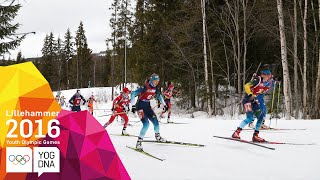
(144, 109)
(253, 102)
(75, 101)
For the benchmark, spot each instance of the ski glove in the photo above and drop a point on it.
(112, 109)
(133, 108)
(276, 78)
(252, 98)
(165, 108)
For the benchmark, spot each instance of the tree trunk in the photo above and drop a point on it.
(205, 54)
(213, 83)
(94, 73)
(295, 59)
(313, 66)
(237, 12)
(284, 59)
(305, 59)
(77, 70)
(244, 6)
(316, 104)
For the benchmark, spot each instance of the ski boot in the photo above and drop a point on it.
(256, 138)
(263, 126)
(124, 132)
(251, 125)
(169, 121)
(159, 138)
(236, 134)
(139, 144)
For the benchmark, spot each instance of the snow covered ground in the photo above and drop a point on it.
(219, 159)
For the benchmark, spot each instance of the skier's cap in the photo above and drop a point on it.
(126, 90)
(154, 77)
(266, 71)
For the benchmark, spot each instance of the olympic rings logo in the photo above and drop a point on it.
(19, 159)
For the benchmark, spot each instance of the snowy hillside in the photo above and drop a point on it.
(219, 159)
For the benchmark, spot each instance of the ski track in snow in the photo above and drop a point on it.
(220, 159)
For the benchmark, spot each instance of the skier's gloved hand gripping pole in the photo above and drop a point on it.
(165, 108)
(253, 76)
(252, 98)
(133, 109)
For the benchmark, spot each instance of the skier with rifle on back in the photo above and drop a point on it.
(144, 109)
(75, 100)
(167, 98)
(253, 102)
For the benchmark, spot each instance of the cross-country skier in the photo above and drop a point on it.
(167, 96)
(57, 98)
(119, 109)
(90, 103)
(144, 109)
(253, 102)
(75, 101)
(62, 101)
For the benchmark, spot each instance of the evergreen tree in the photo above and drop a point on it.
(120, 23)
(49, 65)
(84, 60)
(19, 57)
(59, 60)
(68, 51)
(9, 40)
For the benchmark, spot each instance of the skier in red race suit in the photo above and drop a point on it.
(144, 109)
(167, 97)
(76, 100)
(253, 102)
(118, 109)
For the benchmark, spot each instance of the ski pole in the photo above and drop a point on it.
(278, 103)
(272, 100)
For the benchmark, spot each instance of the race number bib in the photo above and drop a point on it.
(141, 114)
(247, 107)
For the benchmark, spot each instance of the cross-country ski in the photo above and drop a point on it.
(277, 129)
(287, 143)
(174, 142)
(145, 153)
(174, 123)
(244, 141)
(125, 135)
